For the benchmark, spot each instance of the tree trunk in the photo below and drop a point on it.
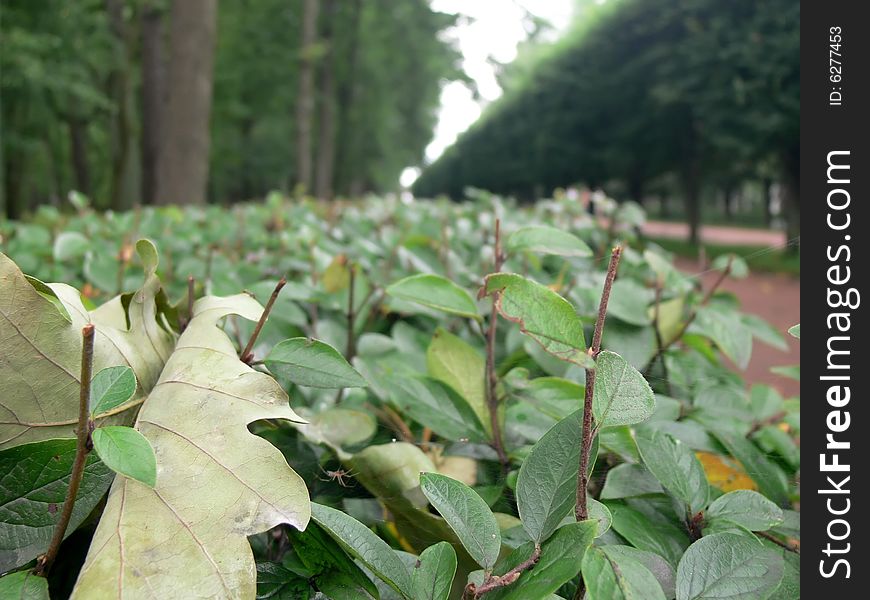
(13, 179)
(119, 91)
(153, 97)
(346, 97)
(78, 150)
(635, 190)
(791, 200)
(183, 158)
(692, 199)
(767, 198)
(305, 98)
(728, 200)
(326, 137)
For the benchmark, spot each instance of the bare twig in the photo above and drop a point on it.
(581, 510)
(659, 342)
(351, 315)
(779, 542)
(691, 318)
(491, 375)
(247, 355)
(83, 447)
(494, 582)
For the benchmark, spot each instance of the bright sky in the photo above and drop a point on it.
(491, 30)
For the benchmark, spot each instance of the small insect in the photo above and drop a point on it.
(340, 476)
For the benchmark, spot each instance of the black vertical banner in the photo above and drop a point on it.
(835, 435)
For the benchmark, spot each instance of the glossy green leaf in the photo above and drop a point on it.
(368, 548)
(612, 575)
(467, 514)
(127, 452)
(546, 240)
(541, 313)
(726, 330)
(312, 363)
(664, 573)
(453, 361)
(433, 574)
(33, 488)
(676, 468)
(726, 565)
(628, 480)
(547, 484)
(622, 396)
(23, 585)
(560, 561)
(649, 532)
(746, 508)
(435, 292)
(112, 387)
(70, 245)
(436, 406)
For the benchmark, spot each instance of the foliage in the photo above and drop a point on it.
(393, 371)
(638, 90)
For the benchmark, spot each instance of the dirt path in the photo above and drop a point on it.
(717, 234)
(775, 298)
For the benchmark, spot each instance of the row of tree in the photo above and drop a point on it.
(703, 93)
(184, 101)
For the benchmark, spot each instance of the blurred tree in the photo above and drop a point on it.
(153, 94)
(183, 162)
(305, 99)
(638, 89)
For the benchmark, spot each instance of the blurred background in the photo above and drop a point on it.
(688, 107)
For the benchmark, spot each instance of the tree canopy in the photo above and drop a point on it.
(639, 88)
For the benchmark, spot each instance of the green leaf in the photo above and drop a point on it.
(770, 478)
(622, 396)
(610, 575)
(42, 351)
(628, 480)
(795, 331)
(676, 468)
(739, 268)
(541, 313)
(312, 363)
(726, 330)
(127, 452)
(112, 387)
(23, 585)
(435, 292)
(70, 245)
(339, 427)
(547, 482)
(746, 508)
(454, 362)
(629, 302)
(33, 488)
(436, 406)
(649, 532)
(560, 561)
(362, 543)
(467, 514)
(658, 566)
(218, 483)
(727, 565)
(433, 574)
(546, 240)
(274, 582)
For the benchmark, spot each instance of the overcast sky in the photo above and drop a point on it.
(494, 30)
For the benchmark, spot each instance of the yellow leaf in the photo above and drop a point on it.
(336, 277)
(724, 473)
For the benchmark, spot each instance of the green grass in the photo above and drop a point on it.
(759, 258)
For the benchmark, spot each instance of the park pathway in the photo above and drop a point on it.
(717, 234)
